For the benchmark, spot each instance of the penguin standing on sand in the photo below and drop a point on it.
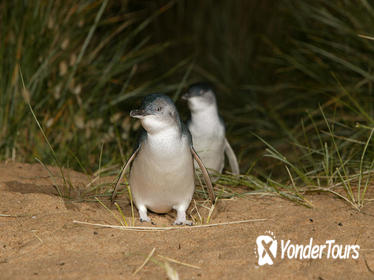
(162, 172)
(208, 129)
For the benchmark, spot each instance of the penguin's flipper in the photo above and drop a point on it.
(207, 180)
(232, 158)
(114, 194)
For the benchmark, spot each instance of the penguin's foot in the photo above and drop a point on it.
(181, 216)
(185, 222)
(146, 220)
(143, 214)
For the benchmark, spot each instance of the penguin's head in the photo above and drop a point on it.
(157, 113)
(200, 96)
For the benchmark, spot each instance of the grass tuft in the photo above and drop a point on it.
(295, 91)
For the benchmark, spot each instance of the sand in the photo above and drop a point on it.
(38, 240)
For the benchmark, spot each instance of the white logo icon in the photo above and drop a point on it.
(266, 248)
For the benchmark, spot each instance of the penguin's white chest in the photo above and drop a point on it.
(162, 175)
(209, 143)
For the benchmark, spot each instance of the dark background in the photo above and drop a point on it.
(293, 77)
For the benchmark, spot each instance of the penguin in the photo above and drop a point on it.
(162, 172)
(208, 129)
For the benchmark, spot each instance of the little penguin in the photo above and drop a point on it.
(208, 129)
(162, 171)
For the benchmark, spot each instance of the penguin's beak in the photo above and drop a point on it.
(139, 114)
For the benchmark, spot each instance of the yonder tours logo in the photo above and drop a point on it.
(267, 247)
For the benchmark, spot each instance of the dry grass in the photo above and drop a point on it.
(145, 228)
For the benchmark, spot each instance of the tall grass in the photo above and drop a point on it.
(329, 69)
(294, 79)
(80, 61)
(294, 82)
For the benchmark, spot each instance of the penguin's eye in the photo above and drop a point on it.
(158, 109)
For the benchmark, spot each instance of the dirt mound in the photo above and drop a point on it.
(38, 239)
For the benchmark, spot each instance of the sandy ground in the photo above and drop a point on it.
(40, 241)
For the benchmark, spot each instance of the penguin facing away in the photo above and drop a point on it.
(208, 130)
(162, 171)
